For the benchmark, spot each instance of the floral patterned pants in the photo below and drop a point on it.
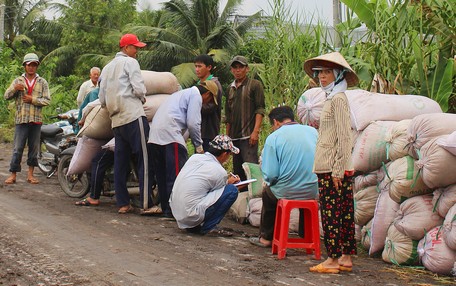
(337, 215)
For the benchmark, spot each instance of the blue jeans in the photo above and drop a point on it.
(25, 133)
(215, 213)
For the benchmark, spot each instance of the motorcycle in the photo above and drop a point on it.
(55, 138)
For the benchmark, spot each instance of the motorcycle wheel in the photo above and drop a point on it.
(46, 161)
(75, 186)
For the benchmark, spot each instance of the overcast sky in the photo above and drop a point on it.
(318, 9)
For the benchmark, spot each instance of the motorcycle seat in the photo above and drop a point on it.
(50, 130)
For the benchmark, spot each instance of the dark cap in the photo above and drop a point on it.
(239, 59)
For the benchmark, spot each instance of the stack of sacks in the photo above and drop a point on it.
(435, 254)
(366, 107)
(97, 128)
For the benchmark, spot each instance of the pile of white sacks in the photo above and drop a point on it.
(97, 132)
(405, 199)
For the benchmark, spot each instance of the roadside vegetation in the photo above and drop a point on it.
(409, 46)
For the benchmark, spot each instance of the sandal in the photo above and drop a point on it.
(345, 268)
(33, 181)
(256, 241)
(125, 209)
(85, 203)
(155, 210)
(322, 269)
(10, 181)
(219, 232)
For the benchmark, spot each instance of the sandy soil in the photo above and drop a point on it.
(46, 240)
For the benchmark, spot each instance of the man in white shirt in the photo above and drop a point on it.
(122, 93)
(203, 192)
(89, 85)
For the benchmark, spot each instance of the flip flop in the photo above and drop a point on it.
(345, 268)
(85, 203)
(256, 241)
(10, 181)
(33, 181)
(125, 209)
(321, 269)
(155, 210)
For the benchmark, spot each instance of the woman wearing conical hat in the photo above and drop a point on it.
(333, 161)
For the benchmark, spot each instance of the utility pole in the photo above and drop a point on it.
(2, 20)
(336, 21)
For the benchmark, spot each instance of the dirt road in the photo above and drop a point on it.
(46, 240)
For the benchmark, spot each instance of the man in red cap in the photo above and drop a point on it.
(122, 92)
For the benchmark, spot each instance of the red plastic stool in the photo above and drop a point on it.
(311, 239)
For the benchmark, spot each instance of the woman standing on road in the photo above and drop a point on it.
(333, 161)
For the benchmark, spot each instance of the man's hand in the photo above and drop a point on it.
(254, 137)
(199, 149)
(233, 179)
(27, 98)
(19, 86)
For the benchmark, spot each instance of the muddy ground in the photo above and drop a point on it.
(46, 240)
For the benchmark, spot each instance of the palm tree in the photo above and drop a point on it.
(190, 28)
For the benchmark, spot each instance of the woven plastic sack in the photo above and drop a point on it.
(425, 127)
(448, 143)
(399, 248)
(238, 210)
(369, 151)
(437, 165)
(366, 235)
(366, 107)
(160, 82)
(85, 151)
(364, 180)
(404, 181)
(365, 204)
(434, 253)
(449, 228)
(253, 171)
(97, 124)
(385, 211)
(444, 199)
(152, 104)
(310, 105)
(396, 140)
(416, 216)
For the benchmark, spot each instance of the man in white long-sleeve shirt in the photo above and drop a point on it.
(180, 112)
(203, 192)
(122, 92)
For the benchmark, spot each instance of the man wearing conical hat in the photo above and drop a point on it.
(333, 161)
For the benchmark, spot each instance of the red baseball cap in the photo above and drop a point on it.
(130, 39)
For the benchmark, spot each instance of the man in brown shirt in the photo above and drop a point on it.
(244, 112)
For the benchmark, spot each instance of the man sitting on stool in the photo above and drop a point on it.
(287, 161)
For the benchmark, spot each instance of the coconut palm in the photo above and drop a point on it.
(190, 28)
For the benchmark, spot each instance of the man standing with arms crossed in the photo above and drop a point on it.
(244, 111)
(122, 92)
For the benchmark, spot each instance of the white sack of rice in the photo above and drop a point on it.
(449, 143)
(404, 181)
(437, 165)
(366, 107)
(444, 199)
(425, 127)
(434, 253)
(399, 248)
(97, 124)
(152, 104)
(254, 211)
(449, 228)
(365, 201)
(110, 145)
(385, 211)
(160, 82)
(364, 180)
(369, 151)
(416, 215)
(85, 151)
(397, 140)
(310, 105)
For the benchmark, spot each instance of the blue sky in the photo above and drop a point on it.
(306, 9)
